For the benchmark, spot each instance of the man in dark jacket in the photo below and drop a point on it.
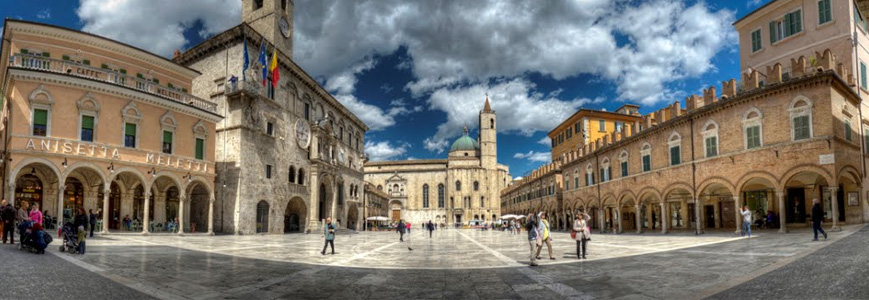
(401, 229)
(7, 213)
(92, 219)
(430, 227)
(817, 218)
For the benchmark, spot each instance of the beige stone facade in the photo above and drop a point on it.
(288, 156)
(96, 124)
(462, 189)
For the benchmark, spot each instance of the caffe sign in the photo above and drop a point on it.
(98, 151)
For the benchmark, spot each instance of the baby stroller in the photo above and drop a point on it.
(70, 238)
(26, 237)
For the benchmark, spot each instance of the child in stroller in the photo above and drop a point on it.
(34, 239)
(70, 238)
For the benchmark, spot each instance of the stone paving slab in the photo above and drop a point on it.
(455, 264)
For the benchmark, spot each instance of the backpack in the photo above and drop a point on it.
(47, 238)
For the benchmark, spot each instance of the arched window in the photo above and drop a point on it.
(291, 175)
(646, 154)
(675, 143)
(440, 196)
(576, 178)
(710, 138)
(301, 176)
(753, 127)
(482, 202)
(458, 185)
(567, 182)
(623, 159)
(380, 187)
(425, 195)
(589, 175)
(476, 186)
(605, 170)
(262, 217)
(801, 118)
(492, 123)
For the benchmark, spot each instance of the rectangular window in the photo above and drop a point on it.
(756, 41)
(576, 178)
(167, 142)
(268, 171)
(647, 163)
(848, 130)
(200, 148)
(675, 155)
(602, 126)
(576, 128)
(130, 135)
(801, 128)
(40, 122)
(569, 133)
(866, 140)
(825, 13)
(863, 75)
(752, 137)
(618, 126)
(858, 19)
(87, 128)
(270, 128)
(307, 111)
(624, 169)
(712, 146)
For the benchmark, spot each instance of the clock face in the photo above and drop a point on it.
(285, 27)
(303, 133)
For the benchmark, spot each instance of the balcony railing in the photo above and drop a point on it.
(72, 68)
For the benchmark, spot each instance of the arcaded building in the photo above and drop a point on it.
(93, 123)
(288, 155)
(462, 189)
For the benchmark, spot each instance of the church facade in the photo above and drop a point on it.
(288, 155)
(461, 189)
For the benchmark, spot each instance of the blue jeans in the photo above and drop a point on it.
(816, 226)
(746, 227)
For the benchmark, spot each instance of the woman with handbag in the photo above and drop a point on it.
(580, 234)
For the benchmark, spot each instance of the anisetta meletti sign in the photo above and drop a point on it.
(114, 153)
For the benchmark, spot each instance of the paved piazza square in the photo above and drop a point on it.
(455, 264)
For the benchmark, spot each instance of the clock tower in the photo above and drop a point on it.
(273, 19)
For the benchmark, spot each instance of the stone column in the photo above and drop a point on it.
(11, 191)
(739, 216)
(107, 215)
(639, 219)
(160, 208)
(698, 216)
(618, 218)
(783, 226)
(59, 205)
(182, 200)
(684, 212)
(717, 212)
(602, 213)
(211, 214)
(314, 187)
(649, 215)
(146, 219)
(834, 191)
(664, 216)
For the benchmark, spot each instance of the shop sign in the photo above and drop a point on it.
(827, 159)
(93, 150)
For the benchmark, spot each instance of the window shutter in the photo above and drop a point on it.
(200, 149)
(87, 122)
(772, 32)
(797, 18)
(787, 25)
(167, 137)
(40, 117)
(821, 12)
(130, 129)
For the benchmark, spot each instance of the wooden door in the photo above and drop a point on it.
(396, 215)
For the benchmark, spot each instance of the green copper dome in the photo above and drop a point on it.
(465, 143)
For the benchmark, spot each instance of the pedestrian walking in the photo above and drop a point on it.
(7, 215)
(430, 228)
(401, 228)
(746, 221)
(329, 236)
(581, 233)
(408, 227)
(533, 238)
(92, 220)
(543, 227)
(817, 219)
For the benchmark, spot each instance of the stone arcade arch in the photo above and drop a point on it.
(295, 215)
(718, 204)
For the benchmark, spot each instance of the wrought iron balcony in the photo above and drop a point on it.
(72, 68)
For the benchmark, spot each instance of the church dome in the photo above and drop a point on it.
(465, 143)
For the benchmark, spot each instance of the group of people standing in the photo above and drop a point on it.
(26, 217)
(539, 233)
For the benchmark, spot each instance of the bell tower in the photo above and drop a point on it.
(273, 19)
(488, 137)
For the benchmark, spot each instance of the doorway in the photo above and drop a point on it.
(728, 215)
(710, 216)
(795, 205)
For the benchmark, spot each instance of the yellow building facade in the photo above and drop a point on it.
(587, 125)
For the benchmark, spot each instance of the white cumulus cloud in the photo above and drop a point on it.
(384, 150)
(535, 156)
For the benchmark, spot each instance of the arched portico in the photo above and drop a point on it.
(294, 215)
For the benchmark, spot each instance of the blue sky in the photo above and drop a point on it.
(417, 72)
